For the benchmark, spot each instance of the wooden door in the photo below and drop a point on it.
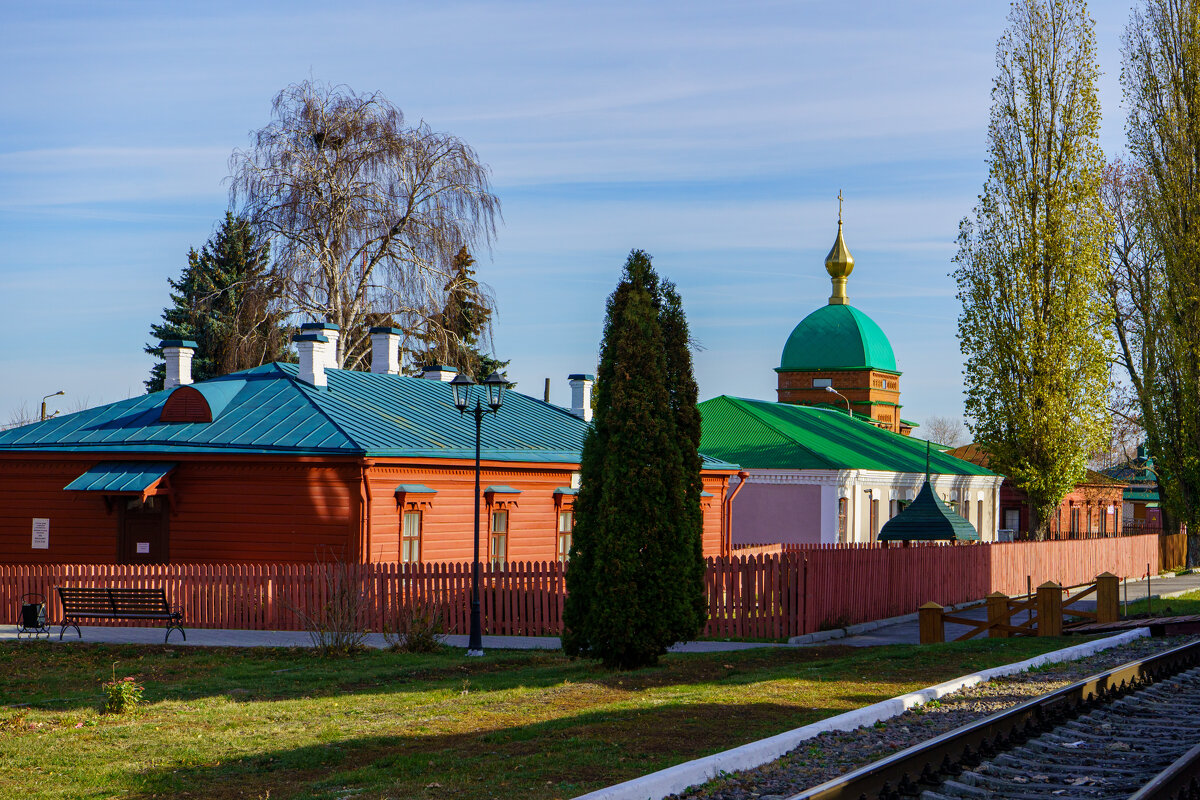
(143, 534)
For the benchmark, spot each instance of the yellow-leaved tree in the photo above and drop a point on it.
(1034, 327)
(1159, 296)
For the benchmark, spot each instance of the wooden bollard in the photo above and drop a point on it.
(1108, 603)
(1049, 609)
(997, 611)
(929, 617)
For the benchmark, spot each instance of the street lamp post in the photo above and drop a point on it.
(839, 394)
(47, 397)
(461, 385)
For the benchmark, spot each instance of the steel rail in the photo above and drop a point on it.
(923, 765)
(1180, 781)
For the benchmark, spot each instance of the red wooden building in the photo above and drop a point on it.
(287, 463)
(1091, 510)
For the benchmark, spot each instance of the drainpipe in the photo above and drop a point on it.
(727, 544)
(364, 547)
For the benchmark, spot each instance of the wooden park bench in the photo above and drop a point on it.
(116, 603)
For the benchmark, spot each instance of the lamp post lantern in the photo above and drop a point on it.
(495, 385)
(44, 399)
(839, 394)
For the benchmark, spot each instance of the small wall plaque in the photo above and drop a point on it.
(143, 547)
(41, 534)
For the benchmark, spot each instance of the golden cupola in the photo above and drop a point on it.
(839, 264)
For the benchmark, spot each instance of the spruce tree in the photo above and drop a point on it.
(457, 335)
(635, 584)
(227, 301)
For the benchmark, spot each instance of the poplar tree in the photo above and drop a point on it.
(1034, 327)
(1161, 270)
(635, 583)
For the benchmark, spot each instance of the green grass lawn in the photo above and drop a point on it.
(1174, 606)
(258, 723)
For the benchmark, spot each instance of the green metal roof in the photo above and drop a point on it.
(760, 435)
(116, 477)
(928, 518)
(837, 337)
(268, 409)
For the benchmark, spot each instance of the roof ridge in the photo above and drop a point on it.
(769, 424)
(295, 382)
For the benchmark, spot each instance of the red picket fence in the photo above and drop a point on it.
(524, 598)
(771, 596)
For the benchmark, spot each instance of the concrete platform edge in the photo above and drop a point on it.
(673, 780)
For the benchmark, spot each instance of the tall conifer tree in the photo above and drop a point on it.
(459, 334)
(635, 585)
(225, 300)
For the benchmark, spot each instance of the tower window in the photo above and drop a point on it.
(822, 383)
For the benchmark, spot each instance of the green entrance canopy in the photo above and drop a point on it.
(121, 477)
(928, 519)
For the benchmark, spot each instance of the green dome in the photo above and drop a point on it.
(837, 337)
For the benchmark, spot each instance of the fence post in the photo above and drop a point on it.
(929, 618)
(1107, 601)
(997, 614)
(1049, 609)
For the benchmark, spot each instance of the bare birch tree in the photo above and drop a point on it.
(946, 431)
(364, 212)
(1034, 328)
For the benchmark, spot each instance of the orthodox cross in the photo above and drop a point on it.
(839, 206)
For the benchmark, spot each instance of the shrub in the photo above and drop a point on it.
(338, 627)
(416, 629)
(121, 695)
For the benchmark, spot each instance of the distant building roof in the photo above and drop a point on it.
(761, 435)
(928, 518)
(268, 409)
(977, 455)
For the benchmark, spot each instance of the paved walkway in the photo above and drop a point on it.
(900, 630)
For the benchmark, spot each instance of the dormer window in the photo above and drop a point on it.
(185, 404)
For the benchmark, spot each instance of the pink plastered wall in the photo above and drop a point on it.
(769, 513)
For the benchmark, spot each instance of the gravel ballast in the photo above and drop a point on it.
(832, 754)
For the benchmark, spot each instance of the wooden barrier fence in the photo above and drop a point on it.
(1045, 612)
(1172, 551)
(800, 590)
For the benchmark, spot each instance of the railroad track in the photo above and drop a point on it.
(1132, 732)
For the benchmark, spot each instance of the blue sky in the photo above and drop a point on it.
(713, 135)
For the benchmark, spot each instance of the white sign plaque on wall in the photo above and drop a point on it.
(143, 547)
(41, 534)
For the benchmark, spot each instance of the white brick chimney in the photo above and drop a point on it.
(581, 395)
(177, 356)
(385, 351)
(437, 372)
(311, 347)
(329, 347)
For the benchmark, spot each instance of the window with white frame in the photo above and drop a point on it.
(410, 537)
(498, 549)
(566, 524)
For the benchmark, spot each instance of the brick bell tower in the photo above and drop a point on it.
(837, 355)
